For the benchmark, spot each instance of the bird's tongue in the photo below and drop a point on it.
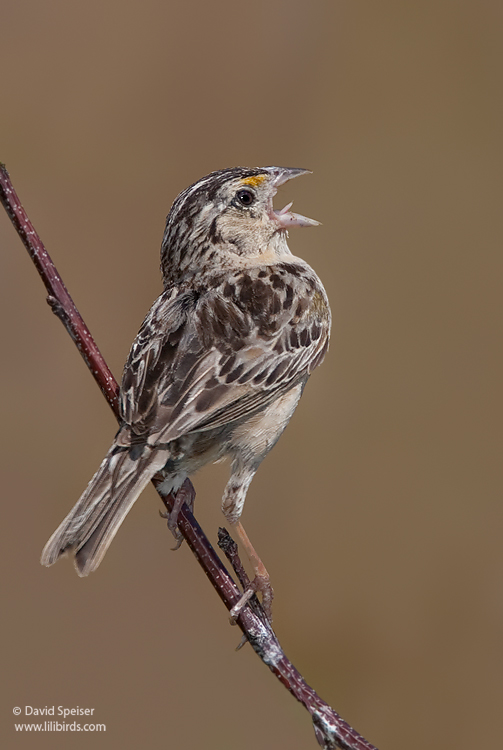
(286, 218)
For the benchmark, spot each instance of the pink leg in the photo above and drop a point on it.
(260, 584)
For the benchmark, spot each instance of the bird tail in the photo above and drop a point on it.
(89, 528)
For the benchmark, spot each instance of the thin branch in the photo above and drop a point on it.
(331, 731)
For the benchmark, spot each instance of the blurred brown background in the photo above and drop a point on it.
(379, 513)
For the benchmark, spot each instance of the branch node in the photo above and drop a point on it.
(57, 308)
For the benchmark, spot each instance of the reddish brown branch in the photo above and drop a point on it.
(331, 731)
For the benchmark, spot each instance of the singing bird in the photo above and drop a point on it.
(219, 364)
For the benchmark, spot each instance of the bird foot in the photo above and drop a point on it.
(261, 584)
(186, 494)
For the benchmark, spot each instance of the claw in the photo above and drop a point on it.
(173, 527)
(242, 642)
(260, 585)
(178, 543)
(238, 608)
(185, 494)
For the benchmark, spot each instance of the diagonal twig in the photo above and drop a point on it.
(330, 729)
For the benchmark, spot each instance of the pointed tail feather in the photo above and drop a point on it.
(92, 524)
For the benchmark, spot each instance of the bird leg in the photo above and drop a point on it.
(186, 494)
(260, 584)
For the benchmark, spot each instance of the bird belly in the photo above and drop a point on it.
(253, 439)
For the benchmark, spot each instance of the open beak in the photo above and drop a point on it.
(286, 218)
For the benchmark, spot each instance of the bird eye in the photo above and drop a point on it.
(245, 197)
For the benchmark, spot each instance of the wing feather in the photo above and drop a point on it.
(204, 359)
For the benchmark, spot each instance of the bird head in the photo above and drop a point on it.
(226, 214)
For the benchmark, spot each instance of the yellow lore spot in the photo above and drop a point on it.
(254, 181)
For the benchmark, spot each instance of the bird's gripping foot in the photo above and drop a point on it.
(186, 494)
(261, 584)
